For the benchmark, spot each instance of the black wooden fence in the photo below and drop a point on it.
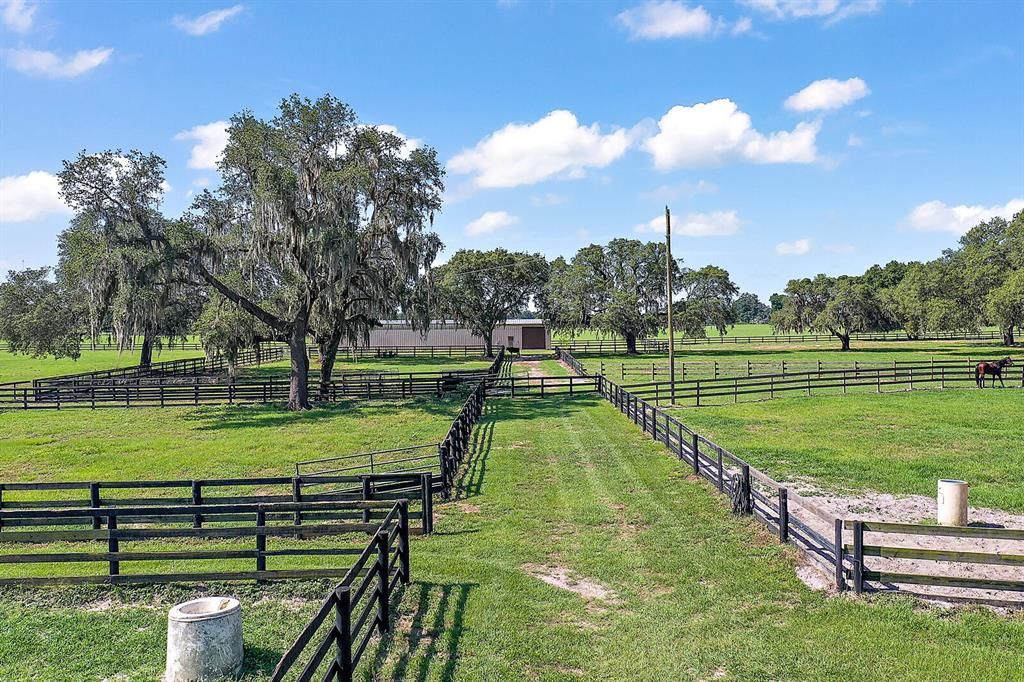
(718, 369)
(335, 639)
(19, 501)
(899, 376)
(615, 345)
(174, 523)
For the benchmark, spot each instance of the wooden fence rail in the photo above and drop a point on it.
(661, 345)
(716, 369)
(906, 376)
(22, 506)
(333, 642)
(230, 522)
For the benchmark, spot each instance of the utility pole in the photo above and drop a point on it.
(668, 287)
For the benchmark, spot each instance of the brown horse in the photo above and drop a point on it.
(993, 368)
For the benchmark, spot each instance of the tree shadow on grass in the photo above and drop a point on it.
(427, 628)
(470, 479)
(275, 415)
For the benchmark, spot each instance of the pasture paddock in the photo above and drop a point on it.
(19, 367)
(575, 549)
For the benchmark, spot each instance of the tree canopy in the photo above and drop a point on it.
(483, 289)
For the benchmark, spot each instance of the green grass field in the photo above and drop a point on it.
(400, 364)
(567, 488)
(18, 367)
(737, 355)
(898, 443)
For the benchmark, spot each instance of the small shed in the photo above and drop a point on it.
(525, 334)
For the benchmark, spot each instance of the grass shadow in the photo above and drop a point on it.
(424, 640)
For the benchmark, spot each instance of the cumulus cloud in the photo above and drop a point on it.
(489, 222)
(832, 11)
(799, 247)
(17, 15)
(408, 143)
(52, 65)
(557, 145)
(710, 133)
(827, 94)
(938, 216)
(30, 197)
(666, 19)
(742, 25)
(210, 140)
(206, 23)
(854, 141)
(715, 224)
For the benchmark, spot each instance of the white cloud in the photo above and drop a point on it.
(715, 224)
(30, 197)
(799, 247)
(526, 153)
(938, 216)
(666, 19)
(854, 141)
(408, 143)
(827, 94)
(210, 140)
(52, 65)
(489, 222)
(549, 199)
(710, 133)
(742, 25)
(201, 181)
(206, 23)
(18, 14)
(833, 11)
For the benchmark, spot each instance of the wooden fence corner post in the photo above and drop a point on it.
(261, 540)
(858, 556)
(427, 502)
(94, 502)
(113, 546)
(840, 576)
(403, 542)
(695, 451)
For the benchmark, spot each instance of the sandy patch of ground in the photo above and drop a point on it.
(562, 578)
(533, 368)
(873, 506)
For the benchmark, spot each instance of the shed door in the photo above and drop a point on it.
(533, 337)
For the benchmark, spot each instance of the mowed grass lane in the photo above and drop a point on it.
(898, 443)
(566, 488)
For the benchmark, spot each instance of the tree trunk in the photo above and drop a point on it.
(845, 339)
(328, 348)
(631, 344)
(1008, 339)
(146, 357)
(298, 392)
(489, 344)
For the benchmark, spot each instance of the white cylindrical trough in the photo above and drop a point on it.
(952, 503)
(204, 640)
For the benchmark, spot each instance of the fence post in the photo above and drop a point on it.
(382, 577)
(261, 540)
(197, 499)
(695, 449)
(297, 497)
(367, 494)
(94, 502)
(343, 626)
(840, 578)
(721, 470)
(749, 502)
(112, 542)
(783, 515)
(858, 556)
(403, 541)
(427, 502)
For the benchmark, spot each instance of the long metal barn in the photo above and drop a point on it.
(526, 334)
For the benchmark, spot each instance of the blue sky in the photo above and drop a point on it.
(789, 137)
